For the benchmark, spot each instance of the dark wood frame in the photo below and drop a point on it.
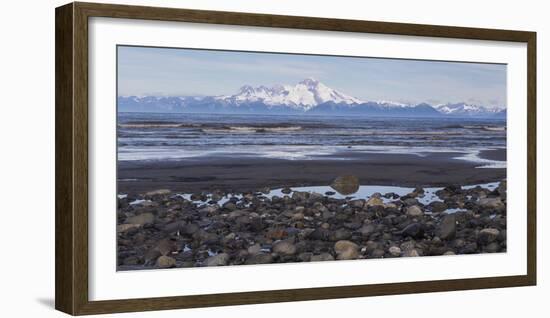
(71, 156)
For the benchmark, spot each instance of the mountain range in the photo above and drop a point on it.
(308, 96)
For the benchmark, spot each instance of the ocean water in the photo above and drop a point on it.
(147, 136)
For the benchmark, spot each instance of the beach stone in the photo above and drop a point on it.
(321, 257)
(300, 195)
(414, 211)
(411, 253)
(493, 247)
(262, 258)
(414, 230)
(131, 260)
(217, 260)
(127, 226)
(284, 248)
(340, 234)
(173, 227)
(359, 203)
(367, 229)
(166, 262)
(158, 192)
(141, 219)
(346, 250)
(229, 205)
(345, 185)
(446, 229)
(189, 229)
(254, 249)
(166, 246)
(298, 216)
(487, 236)
(394, 251)
(378, 253)
(374, 201)
(491, 203)
(151, 255)
(321, 233)
(314, 197)
(437, 206)
(286, 190)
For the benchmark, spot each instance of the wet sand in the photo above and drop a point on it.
(251, 174)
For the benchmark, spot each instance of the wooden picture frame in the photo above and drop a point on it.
(71, 90)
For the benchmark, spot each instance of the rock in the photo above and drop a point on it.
(254, 249)
(321, 257)
(127, 226)
(340, 234)
(320, 234)
(374, 201)
(131, 260)
(493, 247)
(166, 262)
(158, 192)
(346, 185)
(359, 203)
(437, 206)
(217, 260)
(491, 203)
(173, 227)
(229, 205)
(151, 255)
(414, 211)
(394, 251)
(189, 229)
(298, 216)
(314, 196)
(284, 248)
(300, 195)
(378, 253)
(166, 246)
(262, 258)
(414, 230)
(286, 190)
(411, 253)
(276, 234)
(446, 230)
(487, 236)
(141, 219)
(367, 229)
(346, 250)
(449, 253)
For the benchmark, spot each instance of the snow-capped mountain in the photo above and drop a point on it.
(465, 109)
(303, 96)
(307, 96)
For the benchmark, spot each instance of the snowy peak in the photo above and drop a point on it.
(465, 109)
(304, 95)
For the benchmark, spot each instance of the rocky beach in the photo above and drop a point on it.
(165, 229)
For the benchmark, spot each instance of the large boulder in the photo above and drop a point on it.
(346, 250)
(345, 185)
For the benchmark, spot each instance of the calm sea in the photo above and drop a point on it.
(156, 136)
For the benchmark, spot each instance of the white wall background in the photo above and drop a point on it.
(27, 157)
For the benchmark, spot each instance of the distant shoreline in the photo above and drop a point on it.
(250, 174)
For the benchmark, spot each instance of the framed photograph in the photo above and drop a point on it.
(211, 158)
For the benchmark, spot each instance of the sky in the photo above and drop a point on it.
(193, 72)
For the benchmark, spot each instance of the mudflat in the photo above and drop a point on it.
(241, 174)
